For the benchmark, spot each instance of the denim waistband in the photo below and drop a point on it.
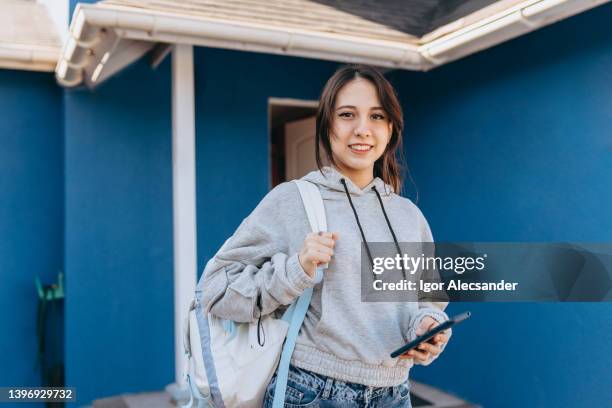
(338, 389)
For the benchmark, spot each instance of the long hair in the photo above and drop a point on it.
(389, 167)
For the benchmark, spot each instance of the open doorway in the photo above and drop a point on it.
(292, 138)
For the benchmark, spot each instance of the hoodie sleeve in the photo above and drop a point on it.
(255, 261)
(435, 310)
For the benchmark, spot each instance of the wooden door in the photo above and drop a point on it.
(299, 148)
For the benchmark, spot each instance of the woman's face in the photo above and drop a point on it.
(360, 129)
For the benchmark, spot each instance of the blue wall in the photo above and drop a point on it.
(31, 213)
(233, 167)
(119, 308)
(515, 144)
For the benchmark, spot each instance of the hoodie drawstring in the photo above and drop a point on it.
(399, 251)
(387, 219)
(358, 223)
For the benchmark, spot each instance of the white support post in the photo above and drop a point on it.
(183, 193)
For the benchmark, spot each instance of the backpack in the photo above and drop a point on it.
(226, 363)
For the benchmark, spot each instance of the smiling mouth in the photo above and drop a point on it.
(361, 147)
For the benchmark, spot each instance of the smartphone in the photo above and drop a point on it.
(427, 336)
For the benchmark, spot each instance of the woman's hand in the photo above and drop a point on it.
(426, 350)
(317, 248)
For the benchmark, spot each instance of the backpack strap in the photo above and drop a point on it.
(313, 204)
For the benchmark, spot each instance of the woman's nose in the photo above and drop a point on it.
(363, 130)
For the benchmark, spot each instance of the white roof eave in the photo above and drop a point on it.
(96, 30)
(103, 38)
(27, 57)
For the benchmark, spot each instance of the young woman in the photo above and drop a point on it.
(341, 357)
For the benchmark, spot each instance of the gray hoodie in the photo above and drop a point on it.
(342, 337)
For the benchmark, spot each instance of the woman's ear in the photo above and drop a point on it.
(390, 131)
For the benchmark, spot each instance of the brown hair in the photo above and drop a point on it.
(389, 166)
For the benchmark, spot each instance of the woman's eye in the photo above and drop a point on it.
(346, 115)
(378, 116)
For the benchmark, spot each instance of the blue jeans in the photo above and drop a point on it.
(307, 389)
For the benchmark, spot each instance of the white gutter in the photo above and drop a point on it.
(515, 21)
(94, 24)
(101, 33)
(28, 57)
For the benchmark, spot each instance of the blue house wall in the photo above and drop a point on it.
(233, 142)
(31, 213)
(118, 237)
(515, 144)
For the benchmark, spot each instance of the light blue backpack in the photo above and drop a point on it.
(225, 364)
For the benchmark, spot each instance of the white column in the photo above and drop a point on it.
(183, 192)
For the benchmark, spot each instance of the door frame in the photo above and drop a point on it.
(281, 111)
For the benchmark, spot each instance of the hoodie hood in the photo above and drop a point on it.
(329, 182)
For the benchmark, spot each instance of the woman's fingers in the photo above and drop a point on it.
(318, 253)
(423, 352)
(426, 350)
(321, 256)
(428, 347)
(328, 242)
(417, 355)
(323, 238)
(317, 249)
(317, 244)
(440, 338)
(332, 235)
